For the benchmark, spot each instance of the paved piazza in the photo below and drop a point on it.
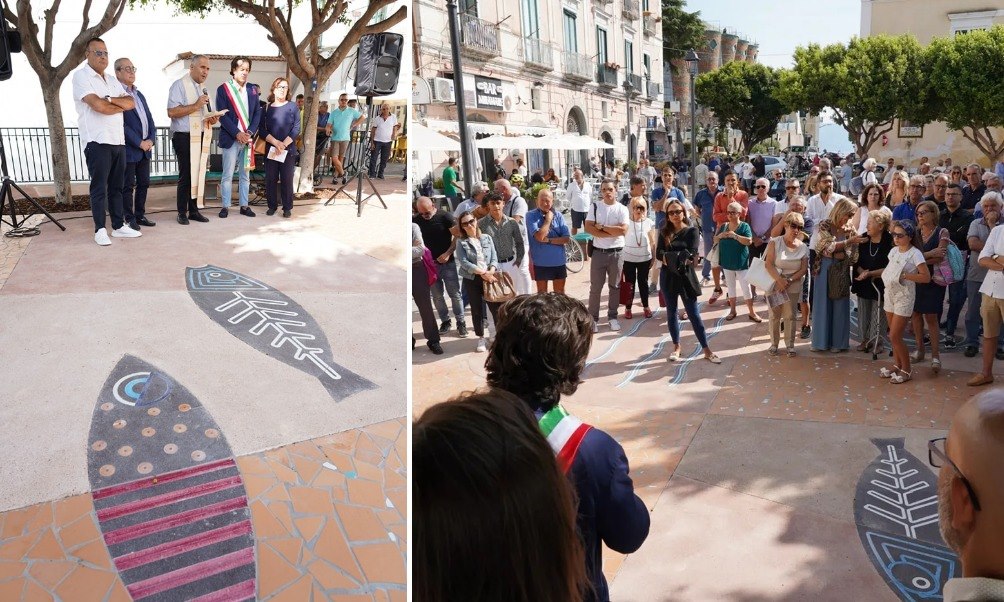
(768, 478)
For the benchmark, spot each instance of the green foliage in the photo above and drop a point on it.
(868, 83)
(680, 30)
(532, 193)
(743, 95)
(964, 92)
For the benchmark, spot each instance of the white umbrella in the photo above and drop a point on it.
(576, 142)
(423, 138)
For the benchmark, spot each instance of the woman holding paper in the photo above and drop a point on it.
(280, 128)
(787, 261)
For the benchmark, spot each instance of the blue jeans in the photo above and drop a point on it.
(449, 280)
(231, 158)
(956, 298)
(106, 164)
(381, 153)
(708, 237)
(673, 320)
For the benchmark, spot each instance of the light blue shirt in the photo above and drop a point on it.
(341, 123)
(176, 98)
(141, 111)
(545, 254)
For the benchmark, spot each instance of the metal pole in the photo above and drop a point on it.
(458, 87)
(693, 129)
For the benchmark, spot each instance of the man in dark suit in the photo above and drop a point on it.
(139, 136)
(236, 128)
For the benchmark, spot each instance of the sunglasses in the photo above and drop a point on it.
(732, 212)
(675, 212)
(795, 227)
(639, 208)
(899, 235)
(759, 187)
(791, 187)
(469, 222)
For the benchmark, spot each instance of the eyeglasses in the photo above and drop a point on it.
(936, 449)
(941, 185)
(282, 87)
(675, 212)
(128, 69)
(760, 187)
(732, 212)
(469, 222)
(899, 235)
(791, 187)
(639, 208)
(99, 53)
(795, 226)
(925, 212)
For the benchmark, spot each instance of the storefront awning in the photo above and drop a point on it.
(530, 130)
(443, 126)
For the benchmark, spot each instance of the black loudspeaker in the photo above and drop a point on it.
(378, 64)
(10, 41)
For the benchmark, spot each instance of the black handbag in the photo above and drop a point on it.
(589, 245)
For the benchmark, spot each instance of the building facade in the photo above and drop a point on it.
(927, 19)
(535, 67)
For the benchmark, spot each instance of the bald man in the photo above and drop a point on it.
(971, 496)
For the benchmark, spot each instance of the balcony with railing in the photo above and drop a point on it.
(650, 26)
(577, 66)
(635, 82)
(538, 54)
(630, 9)
(479, 38)
(606, 75)
(603, 1)
(654, 90)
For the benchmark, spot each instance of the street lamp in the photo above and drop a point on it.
(692, 60)
(467, 167)
(628, 90)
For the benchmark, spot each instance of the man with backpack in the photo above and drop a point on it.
(956, 220)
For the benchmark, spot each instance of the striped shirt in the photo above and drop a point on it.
(507, 236)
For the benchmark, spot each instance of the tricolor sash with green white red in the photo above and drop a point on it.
(564, 433)
(233, 93)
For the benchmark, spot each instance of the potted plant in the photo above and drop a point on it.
(611, 65)
(437, 186)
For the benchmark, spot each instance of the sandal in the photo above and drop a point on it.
(900, 378)
(730, 317)
(755, 318)
(936, 365)
(715, 296)
(648, 313)
(714, 359)
(675, 356)
(627, 314)
(887, 373)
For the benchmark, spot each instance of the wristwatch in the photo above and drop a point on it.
(108, 98)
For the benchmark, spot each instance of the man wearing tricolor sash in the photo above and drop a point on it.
(539, 352)
(191, 134)
(236, 129)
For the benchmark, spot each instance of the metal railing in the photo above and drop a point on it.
(538, 53)
(631, 9)
(606, 76)
(650, 26)
(654, 90)
(577, 66)
(479, 36)
(635, 81)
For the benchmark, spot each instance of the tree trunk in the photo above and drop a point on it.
(308, 133)
(57, 138)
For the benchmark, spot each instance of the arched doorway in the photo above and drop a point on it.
(576, 124)
(608, 154)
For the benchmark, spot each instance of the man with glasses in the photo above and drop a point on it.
(992, 304)
(608, 226)
(819, 205)
(760, 215)
(187, 105)
(890, 170)
(100, 102)
(914, 194)
(973, 191)
(776, 190)
(516, 208)
(382, 136)
(704, 201)
(791, 189)
(139, 136)
(342, 120)
(971, 496)
(664, 192)
(956, 220)
(940, 186)
(979, 232)
(437, 228)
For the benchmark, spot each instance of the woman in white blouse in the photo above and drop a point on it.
(639, 254)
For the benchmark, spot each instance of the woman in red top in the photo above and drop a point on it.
(720, 215)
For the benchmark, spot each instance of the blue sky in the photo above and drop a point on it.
(780, 26)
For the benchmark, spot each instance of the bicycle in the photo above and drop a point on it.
(574, 257)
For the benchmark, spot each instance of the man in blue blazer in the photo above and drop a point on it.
(236, 128)
(139, 135)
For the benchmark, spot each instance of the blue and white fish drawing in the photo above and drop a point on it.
(272, 323)
(896, 511)
(169, 498)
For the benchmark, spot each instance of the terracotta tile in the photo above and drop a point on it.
(351, 598)
(366, 493)
(389, 517)
(265, 523)
(381, 596)
(306, 467)
(277, 456)
(331, 546)
(338, 495)
(400, 500)
(345, 441)
(401, 532)
(309, 527)
(310, 501)
(389, 429)
(318, 593)
(15, 548)
(360, 524)
(11, 590)
(277, 493)
(46, 548)
(119, 593)
(369, 472)
(298, 592)
(81, 531)
(95, 553)
(382, 562)
(397, 595)
(11, 569)
(307, 449)
(85, 584)
(273, 571)
(42, 518)
(328, 478)
(289, 548)
(372, 457)
(280, 510)
(339, 458)
(256, 485)
(49, 574)
(68, 510)
(253, 465)
(34, 593)
(392, 478)
(329, 578)
(15, 521)
(284, 472)
(366, 444)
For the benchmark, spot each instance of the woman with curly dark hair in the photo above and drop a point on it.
(494, 517)
(539, 353)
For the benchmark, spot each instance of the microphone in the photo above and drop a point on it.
(206, 93)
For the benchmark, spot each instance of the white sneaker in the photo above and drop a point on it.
(101, 237)
(126, 232)
(482, 345)
(596, 327)
(614, 324)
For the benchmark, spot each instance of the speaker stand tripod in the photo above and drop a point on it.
(7, 204)
(362, 171)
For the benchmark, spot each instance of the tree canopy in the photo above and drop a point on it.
(742, 95)
(680, 30)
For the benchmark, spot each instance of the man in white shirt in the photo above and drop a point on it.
(608, 226)
(100, 101)
(700, 176)
(478, 192)
(971, 496)
(992, 307)
(819, 205)
(890, 170)
(580, 195)
(516, 208)
(647, 173)
(383, 134)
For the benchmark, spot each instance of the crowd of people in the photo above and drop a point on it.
(118, 132)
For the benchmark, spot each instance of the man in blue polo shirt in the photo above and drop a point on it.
(666, 190)
(342, 120)
(704, 202)
(915, 194)
(548, 234)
